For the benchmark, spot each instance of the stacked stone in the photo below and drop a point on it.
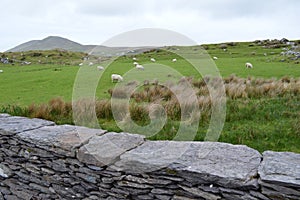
(40, 160)
(280, 175)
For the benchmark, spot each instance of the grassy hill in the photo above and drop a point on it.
(56, 42)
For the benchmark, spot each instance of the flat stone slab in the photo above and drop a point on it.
(3, 115)
(221, 163)
(106, 149)
(63, 139)
(12, 125)
(280, 168)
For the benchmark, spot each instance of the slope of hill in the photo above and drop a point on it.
(55, 42)
(50, 43)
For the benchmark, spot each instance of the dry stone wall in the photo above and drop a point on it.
(41, 160)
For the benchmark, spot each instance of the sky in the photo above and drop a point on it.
(96, 21)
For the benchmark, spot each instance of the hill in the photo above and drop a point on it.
(50, 43)
(56, 42)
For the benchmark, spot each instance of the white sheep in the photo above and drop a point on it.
(116, 77)
(1, 71)
(249, 65)
(152, 60)
(135, 63)
(140, 67)
(215, 58)
(134, 58)
(100, 68)
(91, 64)
(174, 60)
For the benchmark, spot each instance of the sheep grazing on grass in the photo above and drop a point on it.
(140, 67)
(174, 60)
(215, 58)
(80, 64)
(91, 64)
(100, 68)
(134, 58)
(249, 65)
(152, 60)
(135, 63)
(116, 77)
(1, 71)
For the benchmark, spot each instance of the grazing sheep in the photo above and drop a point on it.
(140, 67)
(215, 58)
(265, 54)
(134, 58)
(249, 65)
(80, 64)
(152, 60)
(135, 63)
(91, 64)
(100, 68)
(116, 77)
(1, 71)
(174, 60)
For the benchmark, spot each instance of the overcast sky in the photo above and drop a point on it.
(95, 21)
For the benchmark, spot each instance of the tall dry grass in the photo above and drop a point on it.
(173, 97)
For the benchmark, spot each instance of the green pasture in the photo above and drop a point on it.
(263, 123)
(38, 83)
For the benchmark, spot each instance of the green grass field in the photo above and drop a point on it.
(262, 122)
(38, 83)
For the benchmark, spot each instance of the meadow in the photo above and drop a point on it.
(262, 107)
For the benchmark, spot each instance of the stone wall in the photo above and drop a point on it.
(41, 160)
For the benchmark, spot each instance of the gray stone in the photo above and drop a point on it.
(150, 181)
(200, 193)
(277, 195)
(95, 168)
(4, 115)
(145, 197)
(107, 180)
(226, 164)
(133, 185)
(47, 171)
(31, 178)
(162, 197)
(136, 191)
(258, 195)
(13, 125)
(280, 168)
(32, 168)
(171, 178)
(231, 191)
(105, 185)
(71, 181)
(109, 173)
(87, 178)
(162, 191)
(22, 194)
(5, 171)
(106, 149)
(281, 189)
(5, 190)
(62, 139)
(11, 197)
(177, 197)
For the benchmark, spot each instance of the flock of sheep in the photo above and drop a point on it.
(119, 78)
